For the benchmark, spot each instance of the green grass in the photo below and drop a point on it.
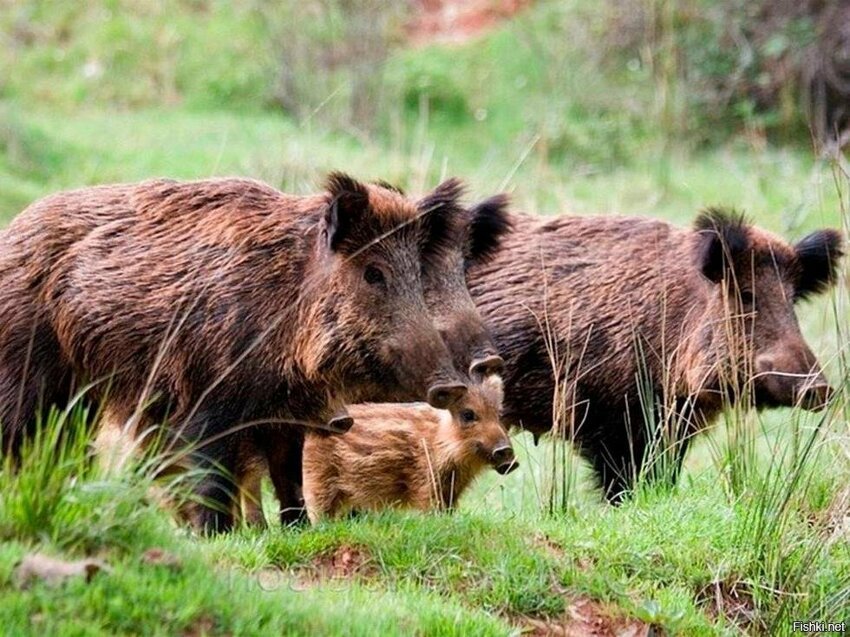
(499, 559)
(185, 93)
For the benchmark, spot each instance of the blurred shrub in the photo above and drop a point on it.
(781, 66)
(330, 57)
(25, 150)
(429, 84)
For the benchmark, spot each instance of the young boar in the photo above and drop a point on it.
(627, 333)
(212, 304)
(410, 456)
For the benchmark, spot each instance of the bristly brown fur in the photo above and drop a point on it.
(215, 303)
(637, 312)
(403, 456)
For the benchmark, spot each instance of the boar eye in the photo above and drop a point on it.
(373, 275)
(747, 297)
(467, 416)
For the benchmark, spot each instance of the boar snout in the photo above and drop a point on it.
(444, 395)
(486, 366)
(791, 379)
(814, 395)
(503, 459)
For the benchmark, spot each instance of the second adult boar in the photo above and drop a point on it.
(626, 334)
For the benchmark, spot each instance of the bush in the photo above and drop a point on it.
(781, 66)
(330, 57)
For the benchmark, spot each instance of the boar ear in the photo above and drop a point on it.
(487, 365)
(349, 199)
(489, 222)
(722, 237)
(438, 212)
(818, 255)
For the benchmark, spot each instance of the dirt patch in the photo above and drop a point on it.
(549, 546)
(201, 627)
(732, 600)
(556, 551)
(587, 618)
(456, 21)
(345, 562)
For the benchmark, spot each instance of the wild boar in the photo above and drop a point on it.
(624, 334)
(212, 304)
(473, 239)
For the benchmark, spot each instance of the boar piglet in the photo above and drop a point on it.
(407, 455)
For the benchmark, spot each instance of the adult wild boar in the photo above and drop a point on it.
(472, 239)
(638, 333)
(215, 303)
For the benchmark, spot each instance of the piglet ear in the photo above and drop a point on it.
(489, 222)
(347, 205)
(722, 238)
(818, 255)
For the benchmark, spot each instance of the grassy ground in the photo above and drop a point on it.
(757, 534)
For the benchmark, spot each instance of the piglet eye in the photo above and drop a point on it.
(467, 416)
(747, 297)
(373, 275)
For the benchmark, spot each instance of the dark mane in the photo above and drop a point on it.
(388, 186)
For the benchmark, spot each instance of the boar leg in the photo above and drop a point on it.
(215, 455)
(33, 378)
(627, 453)
(616, 457)
(250, 506)
(282, 447)
(670, 438)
